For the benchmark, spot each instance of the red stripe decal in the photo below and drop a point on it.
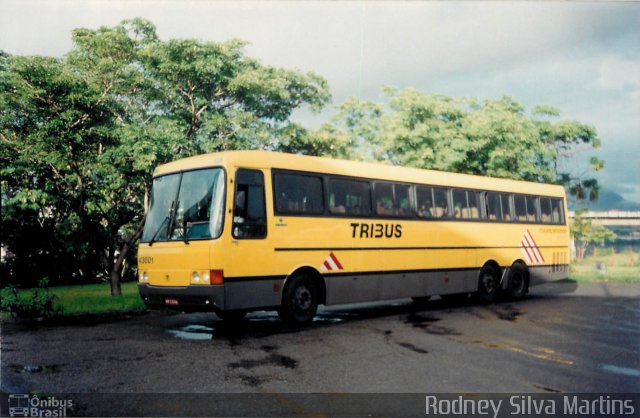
(524, 246)
(335, 260)
(536, 245)
(533, 250)
(326, 265)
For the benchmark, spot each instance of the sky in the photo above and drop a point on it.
(580, 57)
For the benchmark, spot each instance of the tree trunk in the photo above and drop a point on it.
(115, 274)
(580, 250)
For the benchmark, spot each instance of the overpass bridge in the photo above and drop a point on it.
(611, 217)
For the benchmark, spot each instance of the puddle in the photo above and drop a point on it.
(252, 381)
(437, 330)
(418, 320)
(632, 309)
(507, 313)
(193, 333)
(413, 348)
(327, 320)
(426, 323)
(33, 369)
(625, 371)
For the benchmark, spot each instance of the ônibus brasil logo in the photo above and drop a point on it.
(38, 406)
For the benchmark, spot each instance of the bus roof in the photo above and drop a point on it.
(375, 171)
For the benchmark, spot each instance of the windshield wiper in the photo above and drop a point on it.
(164, 221)
(185, 237)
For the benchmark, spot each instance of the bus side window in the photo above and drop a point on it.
(440, 201)
(520, 204)
(298, 194)
(494, 208)
(507, 210)
(384, 199)
(545, 210)
(533, 209)
(460, 206)
(349, 197)
(249, 212)
(474, 198)
(424, 201)
(557, 214)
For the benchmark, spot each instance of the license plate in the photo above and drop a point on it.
(171, 301)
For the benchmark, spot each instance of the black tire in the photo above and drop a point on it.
(488, 283)
(232, 316)
(518, 282)
(299, 301)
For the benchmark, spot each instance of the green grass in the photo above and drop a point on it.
(616, 274)
(96, 299)
(621, 267)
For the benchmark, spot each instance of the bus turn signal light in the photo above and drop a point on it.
(217, 276)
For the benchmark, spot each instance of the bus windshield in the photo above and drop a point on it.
(185, 206)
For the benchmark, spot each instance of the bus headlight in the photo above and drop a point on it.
(143, 277)
(196, 277)
(206, 277)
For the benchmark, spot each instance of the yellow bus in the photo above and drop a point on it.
(234, 232)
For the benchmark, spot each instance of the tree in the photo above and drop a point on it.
(493, 137)
(80, 135)
(585, 233)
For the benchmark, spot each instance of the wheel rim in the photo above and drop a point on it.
(302, 299)
(517, 282)
(488, 283)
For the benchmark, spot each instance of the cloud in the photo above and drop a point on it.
(582, 57)
(619, 73)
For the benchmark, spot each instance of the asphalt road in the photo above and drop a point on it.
(562, 338)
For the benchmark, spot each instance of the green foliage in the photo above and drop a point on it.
(493, 137)
(33, 304)
(586, 233)
(81, 135)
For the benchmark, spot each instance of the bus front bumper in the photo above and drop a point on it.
(188, 298)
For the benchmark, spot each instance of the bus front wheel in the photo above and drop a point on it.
(300, 301)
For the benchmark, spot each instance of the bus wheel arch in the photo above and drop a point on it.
(302, 292)
(517, 280)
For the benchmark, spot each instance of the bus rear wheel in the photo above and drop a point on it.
(488, 283)
(300, 301)
(518, 284)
